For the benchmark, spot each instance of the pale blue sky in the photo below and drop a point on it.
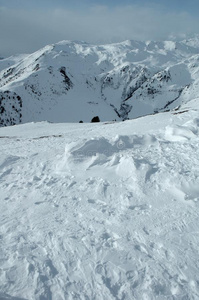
(27, 25)
(191, 6)
(179, 5)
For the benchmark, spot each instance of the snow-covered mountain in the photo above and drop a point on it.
(73, 81)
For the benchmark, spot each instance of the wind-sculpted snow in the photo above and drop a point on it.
(182, 133)
(76, 81)
(108, 148)
(105, 211)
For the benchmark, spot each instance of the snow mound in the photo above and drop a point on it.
(182, 133)
(110, 147)
(97, 152)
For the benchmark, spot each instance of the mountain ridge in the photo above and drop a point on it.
(71, 81)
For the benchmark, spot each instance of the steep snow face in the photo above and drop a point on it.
(7, 62)
(105, 211)
(73, 81)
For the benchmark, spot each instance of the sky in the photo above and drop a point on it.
(28, 25)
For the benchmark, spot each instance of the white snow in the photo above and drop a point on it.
(101, 211)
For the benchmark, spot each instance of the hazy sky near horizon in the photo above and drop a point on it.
(27, 25)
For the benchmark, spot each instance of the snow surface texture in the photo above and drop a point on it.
(75, 81)
(105, 211)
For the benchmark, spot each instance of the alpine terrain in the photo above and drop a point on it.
(75, 81)
(107, 210)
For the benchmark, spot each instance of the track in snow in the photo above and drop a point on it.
(88, 212)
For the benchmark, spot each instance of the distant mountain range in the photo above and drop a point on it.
(76, 81)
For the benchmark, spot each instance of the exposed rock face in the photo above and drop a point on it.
(95, 119)
(10, 108)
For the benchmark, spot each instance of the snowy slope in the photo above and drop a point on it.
(105, 211)
(5, 63)
(73, 81)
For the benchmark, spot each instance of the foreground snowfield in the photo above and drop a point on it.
(101, 211)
